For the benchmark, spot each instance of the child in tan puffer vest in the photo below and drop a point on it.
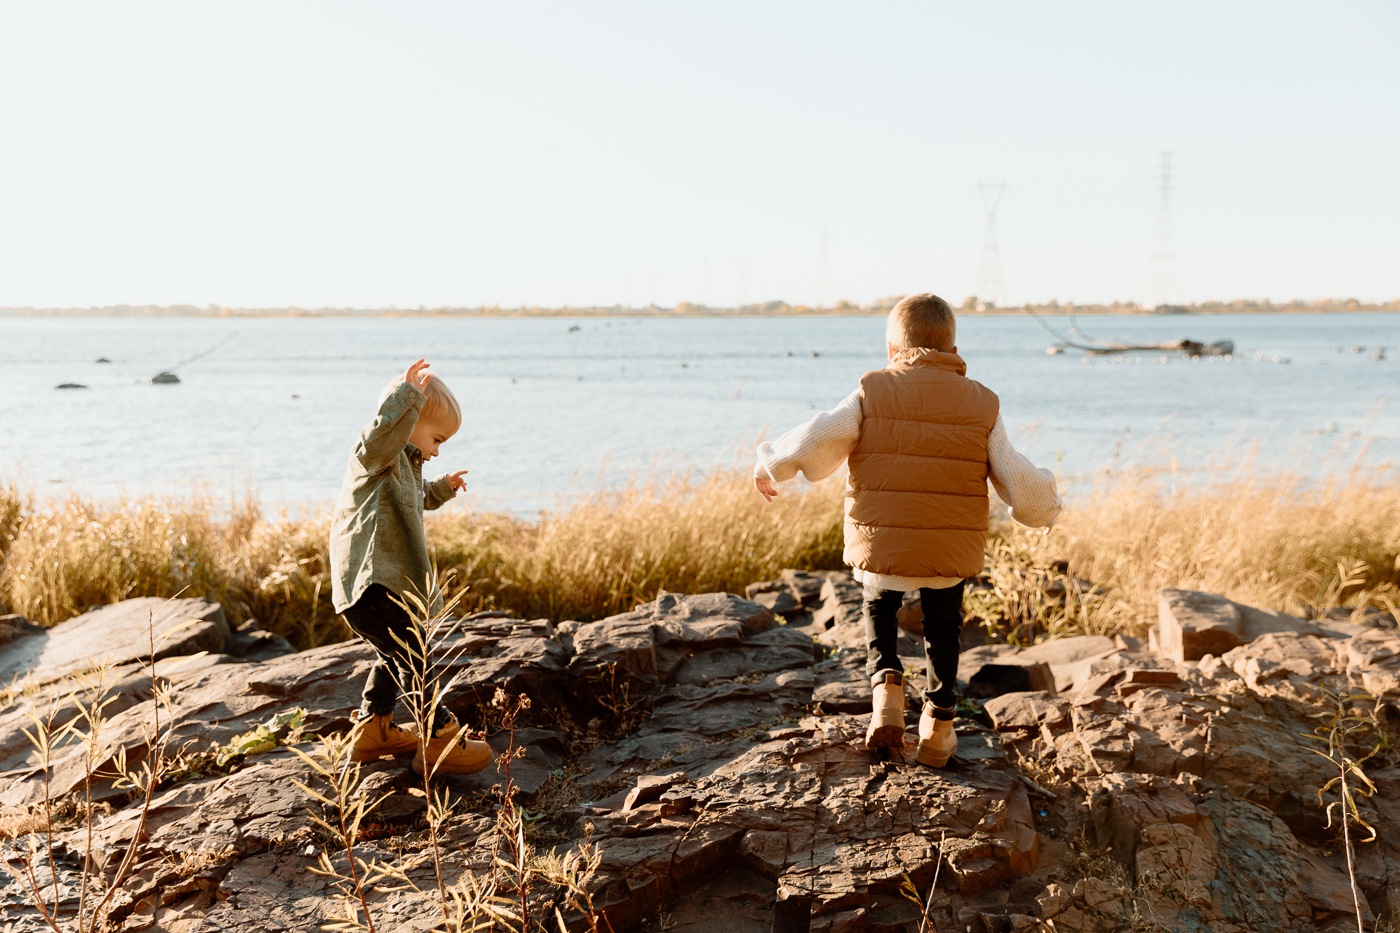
(921, 441)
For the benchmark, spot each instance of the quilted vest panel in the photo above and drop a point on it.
(916, 497)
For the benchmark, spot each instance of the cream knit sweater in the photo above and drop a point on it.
(819, 448)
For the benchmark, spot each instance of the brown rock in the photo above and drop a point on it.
(805, 586)
(1372, 660)
(650, 787)
(1070, 658)
(1027, 711)
(1011, 673)
(841, 597)
(118, 634)
(1137, 678)
(1191, 625)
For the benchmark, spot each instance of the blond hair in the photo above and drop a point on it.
(441, 406)
(922, 321)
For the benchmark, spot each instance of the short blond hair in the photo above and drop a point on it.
(922, 321)
(441, 406)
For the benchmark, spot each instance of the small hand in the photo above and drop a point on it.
(457, 480)
(765, 488)
(416, 376)
(1048, 529)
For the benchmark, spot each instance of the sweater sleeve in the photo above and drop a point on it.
(816, 449)
(1028, 489)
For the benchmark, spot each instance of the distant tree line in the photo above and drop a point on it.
(971, 305)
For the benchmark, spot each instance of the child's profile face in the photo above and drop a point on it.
(428, 435)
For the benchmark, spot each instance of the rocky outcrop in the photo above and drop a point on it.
(709, 750)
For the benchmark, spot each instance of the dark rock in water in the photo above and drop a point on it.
(70, 385)
(1197, 348)
(164, 379)
(103, 359)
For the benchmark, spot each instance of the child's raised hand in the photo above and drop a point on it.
(457, 480)
(417, 376)
(765, 488)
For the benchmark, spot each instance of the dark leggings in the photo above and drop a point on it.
(942, 637)
(401, 668)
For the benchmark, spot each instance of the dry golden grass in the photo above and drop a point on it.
(611, 551)
(1276, 543)
(604, 555)
(1279, 544)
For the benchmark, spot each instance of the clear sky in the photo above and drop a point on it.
(550, 153)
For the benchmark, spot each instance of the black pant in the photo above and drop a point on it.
(402, 666)
(942, 637)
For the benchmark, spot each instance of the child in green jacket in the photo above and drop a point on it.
(380, 566)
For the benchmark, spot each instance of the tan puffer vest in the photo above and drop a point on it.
(916, 499)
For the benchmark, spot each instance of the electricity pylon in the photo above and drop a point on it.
(1163, 285)
(991, 289)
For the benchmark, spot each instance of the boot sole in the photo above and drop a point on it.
(885, 737)
(927, 756)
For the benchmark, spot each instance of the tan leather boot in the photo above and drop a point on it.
(937, 740)
(887, 712)
(452, 750)
(377, 736)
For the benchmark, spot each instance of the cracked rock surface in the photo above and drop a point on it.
(709, 748)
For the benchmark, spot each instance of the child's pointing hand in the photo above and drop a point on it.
(457, 480)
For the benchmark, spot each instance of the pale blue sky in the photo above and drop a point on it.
(255, 154)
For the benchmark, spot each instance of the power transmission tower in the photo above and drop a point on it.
(991, 290)
(824, 277)
(1163, 286)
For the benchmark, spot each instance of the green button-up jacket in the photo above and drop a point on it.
(377, 533)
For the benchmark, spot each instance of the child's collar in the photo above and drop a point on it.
(922, 356)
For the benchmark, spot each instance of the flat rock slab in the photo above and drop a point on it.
(1192, 624)
(117, 635)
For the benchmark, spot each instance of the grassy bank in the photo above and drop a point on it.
(1278, 544)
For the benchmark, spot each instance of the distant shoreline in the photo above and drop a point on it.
(770, 310)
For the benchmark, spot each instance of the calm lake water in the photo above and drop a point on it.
(554, 408)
